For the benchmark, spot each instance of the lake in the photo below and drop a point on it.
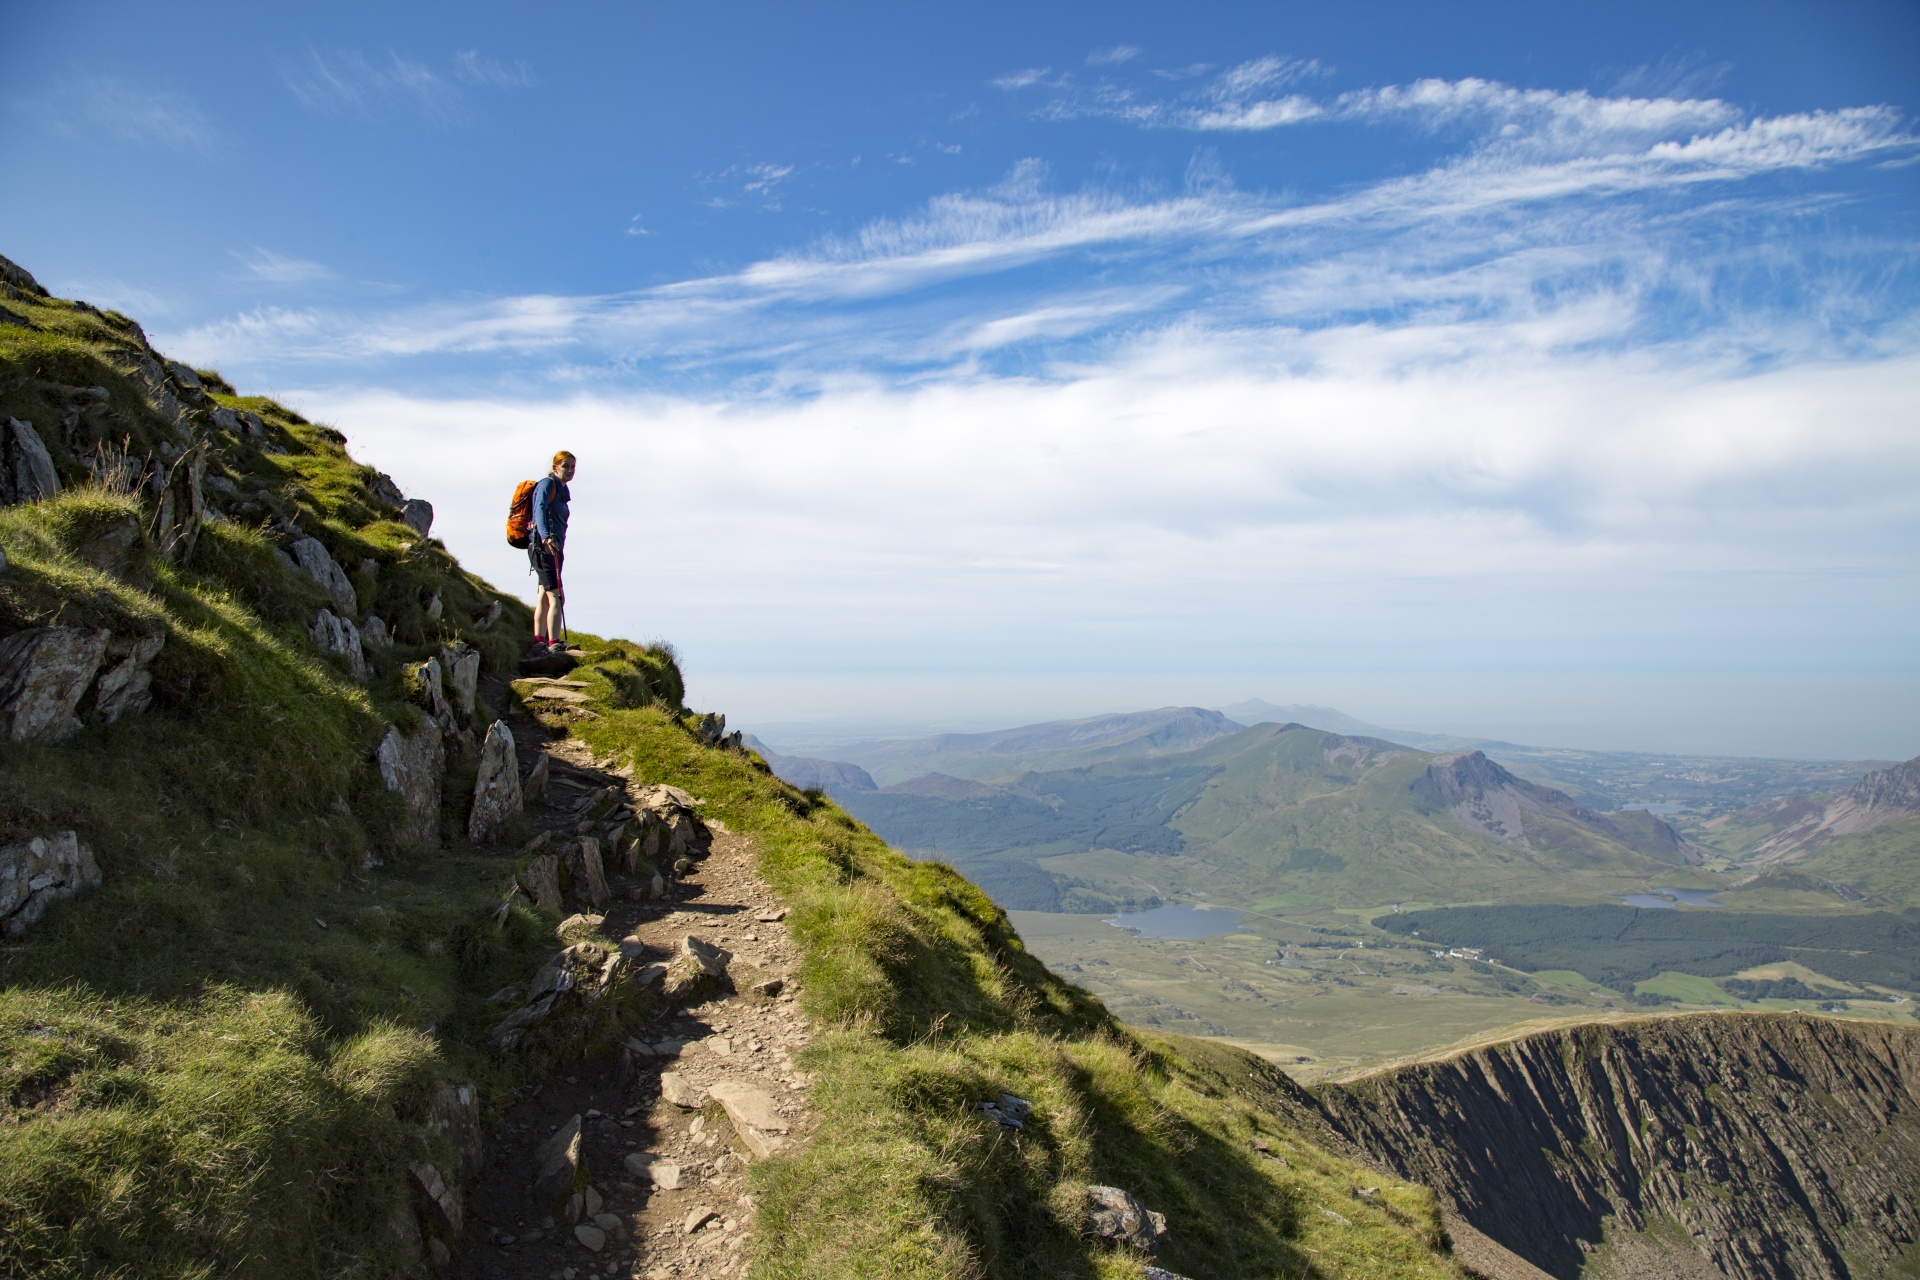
(1673, 898)
(1179, 921)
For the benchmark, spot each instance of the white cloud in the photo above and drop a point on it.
(354, 85)
(1022, 79)
(278, 268)
(111, 108)
(475, 68)
(1113, 55)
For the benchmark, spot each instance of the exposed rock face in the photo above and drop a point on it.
(417, 515)
(1485, 797)
(1880, 797)
(496, 790)
(180, 505)
(374, 634)
(460, 668)
(44, 672)
(125, 687)
(323, 569)
(1756, 1146)
(413, 768)
(26, 468)
(36, 873)
(337, 635)
(560, 1167)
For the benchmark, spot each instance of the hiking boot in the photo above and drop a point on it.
(538, 649)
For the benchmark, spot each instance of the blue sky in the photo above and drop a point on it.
(1546, 371)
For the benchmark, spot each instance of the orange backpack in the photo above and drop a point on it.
(520, 515)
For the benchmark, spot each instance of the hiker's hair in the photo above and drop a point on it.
(562, 456)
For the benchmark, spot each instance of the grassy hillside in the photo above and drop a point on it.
(1275, 815)
(220, 1061)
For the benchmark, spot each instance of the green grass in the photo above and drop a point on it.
(934, 1004)
(1685, 987)
(218, 1063)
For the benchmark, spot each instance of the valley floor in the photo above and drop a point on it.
(1299, 991)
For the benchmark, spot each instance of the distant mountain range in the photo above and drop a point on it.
(1275, 811)
(1862, 843)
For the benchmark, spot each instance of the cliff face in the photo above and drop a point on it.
(1764, 1147)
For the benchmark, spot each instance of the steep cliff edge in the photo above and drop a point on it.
(1758, 1146)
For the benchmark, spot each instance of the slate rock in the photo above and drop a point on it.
(311, 556)
(589, 873)
(496, 788)
(111, 550)
(27, 473)
(181, 504)
(440, 1207)
(460, 669)
(44, 672)
(534, 788)
(125, 686)
(417, 515)
(591, 1236)
(337, 635)
(541, 880)
(1116, 1216)
(36, 873)
(18, 277)
(374, 633)
(560, 1167)
(682, 1092)
(414, 769)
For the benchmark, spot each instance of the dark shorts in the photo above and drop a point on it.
(546, 566)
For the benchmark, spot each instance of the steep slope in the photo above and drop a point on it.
(1862, 844)
(278, 947)
(1053, 745)
(1762, 1147)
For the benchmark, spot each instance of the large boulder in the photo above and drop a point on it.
(412, 768)
(496, 789)
(39, 872)
(417, 515)
(125, 686)
(311, 556)
(541, 880)
(337, 635)
(426, 687)
(26, 468)
(1116, 1216)
(44, 672)
(460, 669)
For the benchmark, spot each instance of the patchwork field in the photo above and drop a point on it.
(1322, 994)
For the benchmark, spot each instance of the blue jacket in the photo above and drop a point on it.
(550, 509)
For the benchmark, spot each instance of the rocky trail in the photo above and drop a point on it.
(633, 1165)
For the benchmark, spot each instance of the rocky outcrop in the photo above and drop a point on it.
(566, 994)
(460, 670)
(1806, 823)
(496, 789)
(1482, 796)
(417, 515)
(36, 873)
(310, 556)
(27, 473)
(339, 636)
(587, 873)
(1117, 1216)
(413, 768)
(44, 672)
(125, 686)
(54, 680)
(1755, 1146)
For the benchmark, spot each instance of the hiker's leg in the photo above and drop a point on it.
(543, 614)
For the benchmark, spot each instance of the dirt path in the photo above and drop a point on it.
(668, 1178)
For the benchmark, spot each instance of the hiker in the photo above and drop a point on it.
(548, 552)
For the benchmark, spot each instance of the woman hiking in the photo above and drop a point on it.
(548, 552)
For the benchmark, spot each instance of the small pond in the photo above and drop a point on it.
(1179, 921)
(1662, 899)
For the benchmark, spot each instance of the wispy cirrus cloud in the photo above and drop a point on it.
(112, 109)
(279, 268)
(367, 87)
